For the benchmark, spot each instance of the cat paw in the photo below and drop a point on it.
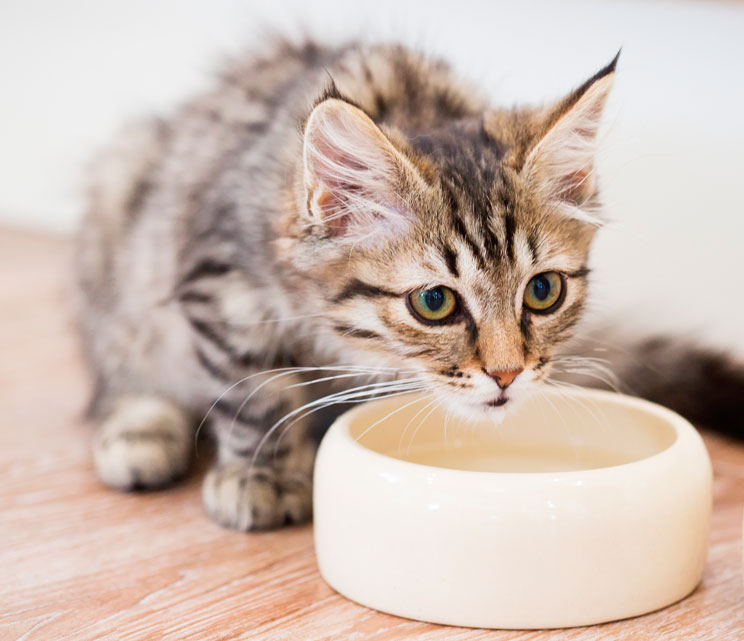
(252, 498)
(145, 443)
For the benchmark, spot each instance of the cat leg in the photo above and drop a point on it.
(144, 442)
(259, 483)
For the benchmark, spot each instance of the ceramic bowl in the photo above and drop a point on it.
(579, 508)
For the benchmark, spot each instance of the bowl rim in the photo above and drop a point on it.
(685, 433)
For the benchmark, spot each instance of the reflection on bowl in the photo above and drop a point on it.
(581, 507)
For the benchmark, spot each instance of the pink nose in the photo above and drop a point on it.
(505, 377)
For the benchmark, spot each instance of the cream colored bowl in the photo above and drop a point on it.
(580, 508)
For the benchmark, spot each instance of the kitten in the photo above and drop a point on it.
(387, 223)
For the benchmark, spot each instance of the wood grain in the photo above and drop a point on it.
(81, 562)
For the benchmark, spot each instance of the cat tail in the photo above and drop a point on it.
(704, 385)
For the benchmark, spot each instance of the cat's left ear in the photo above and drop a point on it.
(561, 162)
(353, 173)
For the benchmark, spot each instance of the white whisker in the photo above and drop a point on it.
(394, 389)
(405, 429)
(387, 416)
(421, 422)
(288, 370)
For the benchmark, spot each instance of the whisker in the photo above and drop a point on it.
(421, 422)
(563, 388)
(302, 384)
(287, 427)
(447, 417)
(335, 400)
(387, 416)
(589, 367)
(564, 424)
(230, 388)
(281, 369)
(330, 378)
(395, 389)
(405, 429)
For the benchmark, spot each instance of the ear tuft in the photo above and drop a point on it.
(332, 92)
(607, 70)
(561, 162)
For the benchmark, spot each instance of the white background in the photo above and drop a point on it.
(672, 164)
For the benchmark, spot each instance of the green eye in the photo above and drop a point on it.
(433, 305)
(544, 292)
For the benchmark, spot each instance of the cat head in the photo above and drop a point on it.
(460, 252)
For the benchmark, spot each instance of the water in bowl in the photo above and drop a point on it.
(487, 457)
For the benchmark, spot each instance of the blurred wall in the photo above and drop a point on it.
(672, 158)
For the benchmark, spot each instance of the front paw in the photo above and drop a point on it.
(144, 443)
(252, 498)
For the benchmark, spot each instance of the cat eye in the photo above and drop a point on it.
(434, 305)
(544, 293)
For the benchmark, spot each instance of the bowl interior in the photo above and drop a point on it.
(551, 432)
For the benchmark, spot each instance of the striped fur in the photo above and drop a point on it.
(281, 220)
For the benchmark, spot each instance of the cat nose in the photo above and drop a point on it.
(505, 377)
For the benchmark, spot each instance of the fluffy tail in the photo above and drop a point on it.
(704, 385)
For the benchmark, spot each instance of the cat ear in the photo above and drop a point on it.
(353, 173)
(562, 160)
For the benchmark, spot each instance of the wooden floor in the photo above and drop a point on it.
(80, 562)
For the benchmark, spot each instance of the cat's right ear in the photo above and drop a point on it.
(353, 174)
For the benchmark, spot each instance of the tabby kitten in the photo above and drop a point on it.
(386, 223)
